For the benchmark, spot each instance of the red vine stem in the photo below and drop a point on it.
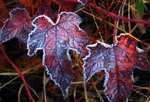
(106, 12)
(18, 71)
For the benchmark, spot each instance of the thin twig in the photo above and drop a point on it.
(18, 71)
(117, 28)
(38, 65)
(19, 92)
(115, 31)
(85, 92)
(100, 97)
(74, 93)
(44, 88)
(106, 12)
(129, 16)
(122, 13)
(109, 23)
(97, 25)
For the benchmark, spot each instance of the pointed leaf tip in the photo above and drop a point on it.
(56, 39)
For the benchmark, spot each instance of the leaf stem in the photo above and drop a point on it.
(18, 71)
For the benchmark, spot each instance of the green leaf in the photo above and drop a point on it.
(140, 7)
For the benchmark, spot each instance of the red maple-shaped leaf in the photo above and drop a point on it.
(18, 25)
(56, 39)
(118, 61)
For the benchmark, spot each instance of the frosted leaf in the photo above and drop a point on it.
(56, 39)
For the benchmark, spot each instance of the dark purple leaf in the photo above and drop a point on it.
(18, 25)
(118, 61)
(49, 9)
(56, 39)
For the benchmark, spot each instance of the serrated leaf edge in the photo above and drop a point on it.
(89, 54)
(50, 21)
(43, 59)
(10, 14)
(105, 45)
(106, 73)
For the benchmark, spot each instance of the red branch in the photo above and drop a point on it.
(106, 12)
(18, 71)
